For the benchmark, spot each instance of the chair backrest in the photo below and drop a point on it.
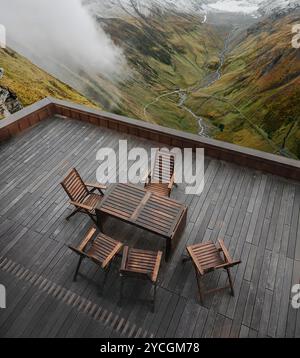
(164, 166)
(75, 187)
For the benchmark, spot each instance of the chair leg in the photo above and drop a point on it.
(100, 225)
(121, 290)
(96, 221)
(106, 272)
(92, 217)
(77, 268)
(101, 192)
(199, 283)
(154, 297)
(185, 259)
(72, 214)
(168, 250)
(230, 282)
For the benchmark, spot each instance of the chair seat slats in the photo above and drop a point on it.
(101, 250)
(207, 257)
(161, 178)
(140, 261)
(92, 200)
(160, 189)
(83, 198)
(136, 261)
(141, 264)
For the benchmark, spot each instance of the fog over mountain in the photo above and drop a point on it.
(62, 31)
(66, 32)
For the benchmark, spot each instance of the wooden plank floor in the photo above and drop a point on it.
(255, 213)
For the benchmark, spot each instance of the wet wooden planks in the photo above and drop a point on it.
(256, 214)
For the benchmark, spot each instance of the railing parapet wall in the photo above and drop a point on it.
(246, 157)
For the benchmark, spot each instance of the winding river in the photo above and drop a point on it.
(204, 83)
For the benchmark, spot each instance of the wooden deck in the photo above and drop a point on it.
(256, 214)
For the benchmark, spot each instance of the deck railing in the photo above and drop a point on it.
(31, 115)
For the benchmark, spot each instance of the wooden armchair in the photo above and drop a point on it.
(82, 194)
(161, 179)
(208, 257)
(140, 264)
(100, 249)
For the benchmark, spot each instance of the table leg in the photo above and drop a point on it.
(100, 220)
(168, 249)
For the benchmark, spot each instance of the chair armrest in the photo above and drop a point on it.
(81, 206)
(88, 237)
(172, 180)
(157, 266)
(78, 252)
(228, 265)
(146, 177)
(96, 186)
(124, 258)
(195, 261)
(225, 251)
(112, 255)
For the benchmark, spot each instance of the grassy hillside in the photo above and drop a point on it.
(165, 53)
(256, 101)
(31, 84)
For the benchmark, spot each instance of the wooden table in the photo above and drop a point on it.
(156, 214)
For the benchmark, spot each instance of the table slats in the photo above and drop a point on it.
(144, 209)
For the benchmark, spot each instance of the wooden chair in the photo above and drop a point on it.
(208, 257)
(82, 194)
(161, 179)
(140, 264)
(100, 249)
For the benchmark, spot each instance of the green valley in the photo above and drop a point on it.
(165, 54)
(256, 101)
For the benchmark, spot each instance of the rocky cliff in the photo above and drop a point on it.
(9, 102)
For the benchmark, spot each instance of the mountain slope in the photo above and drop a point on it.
(256, 101)
(165, 53)
(28, 83)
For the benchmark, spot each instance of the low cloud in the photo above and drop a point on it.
(61, 31)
